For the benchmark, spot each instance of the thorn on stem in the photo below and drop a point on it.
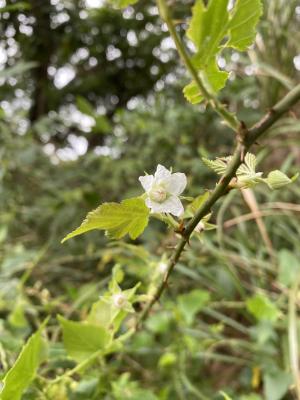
(180, 229)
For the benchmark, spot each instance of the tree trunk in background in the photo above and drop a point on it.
(42, 55)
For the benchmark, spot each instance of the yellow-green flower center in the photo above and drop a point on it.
(158, 194)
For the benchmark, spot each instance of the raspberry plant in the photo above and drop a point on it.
(212, 29)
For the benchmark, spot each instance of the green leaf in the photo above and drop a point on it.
(262, 308)
(213, 79)
(207, 28)
(242, 24)
(122, 3)
(210, 26)
(159, 323)
(130, 217)
(276, 385)
(248, 166)
(208, 226)
(86, 388)
(264, 333)
(219, 165)
(277, 179)
(17, 316)
(246, 174)
(81, 339)
(24, 370)
(124, 389)
(85, 106)
(214, 28)
(225, 396)
(192, 93)
(167, 359)
(105, 313)
(102, 124)
(17, 69)
(289, 268)
(191, 303)
(251, 396)
(196, 27)
(198, 202)
(101, 314)
(20, 6)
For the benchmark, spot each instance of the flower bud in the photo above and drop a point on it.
(162, 267)
(200, 227)
(119, 300)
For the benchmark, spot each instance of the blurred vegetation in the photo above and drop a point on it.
(90, 99)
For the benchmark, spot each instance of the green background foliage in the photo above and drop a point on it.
(91, 98)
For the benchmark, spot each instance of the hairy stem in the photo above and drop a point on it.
(77, 368)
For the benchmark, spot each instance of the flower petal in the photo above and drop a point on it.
(161, 173)
(146, 181)
(172, 205)
(176, 183)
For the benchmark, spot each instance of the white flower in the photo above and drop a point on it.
(163, 190)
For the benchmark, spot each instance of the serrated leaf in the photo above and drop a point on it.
(246, 172)
(210, 25)
(242, 24)
(248, 166)
(24, 369)
(277, 179)
(247, 176)
(212, 78)
(207, 29)
(118, 219)
(196, 26)
(192, 93)
(81, 339)
(219, 165)
(211, 29)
